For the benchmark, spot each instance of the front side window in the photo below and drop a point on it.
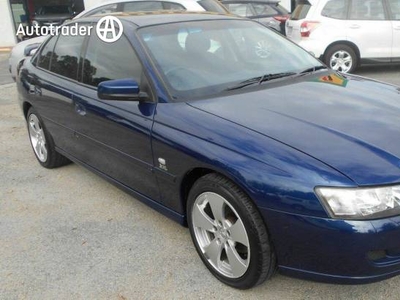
(43, 60)
(336, 9)
(66, 56)
(395, 9)
(367, 10)
(109, 61)
(198, 59)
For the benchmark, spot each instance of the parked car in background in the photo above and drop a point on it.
(347, 33)
(52, 15)
(267, 12)
(17, 53)
(269, 157)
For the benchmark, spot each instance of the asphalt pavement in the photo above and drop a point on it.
(68, 234)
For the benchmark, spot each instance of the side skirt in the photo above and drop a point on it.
(181, 219)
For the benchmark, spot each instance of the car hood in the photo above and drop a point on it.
(350, 123)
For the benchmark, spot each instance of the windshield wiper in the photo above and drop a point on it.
(312, 69)
(259, 80)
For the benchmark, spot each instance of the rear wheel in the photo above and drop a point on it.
(341, 58)
(42, 143)
(229, 233)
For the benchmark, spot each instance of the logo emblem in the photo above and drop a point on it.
(109, 29)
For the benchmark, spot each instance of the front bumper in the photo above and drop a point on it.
(333, 250)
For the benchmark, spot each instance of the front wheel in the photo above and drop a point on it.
(229, 233)
(341, 58)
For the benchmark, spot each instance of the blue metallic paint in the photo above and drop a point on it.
(277, 142)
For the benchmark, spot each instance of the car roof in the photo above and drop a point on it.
(142, 19)
(250, 1)
(86, 11)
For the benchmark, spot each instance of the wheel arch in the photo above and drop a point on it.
(25, 108)
(347, 43)
(196, 173)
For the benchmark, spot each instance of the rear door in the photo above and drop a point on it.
(394, 6)
(370, 29)
(54, 86)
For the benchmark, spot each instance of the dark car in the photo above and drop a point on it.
(52, 15)
(267, 12)
(270, 158)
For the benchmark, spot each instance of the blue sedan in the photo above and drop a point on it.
(271, 159)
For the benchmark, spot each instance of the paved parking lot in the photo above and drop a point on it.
(68, 234)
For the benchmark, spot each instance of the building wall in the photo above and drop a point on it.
(7, 35)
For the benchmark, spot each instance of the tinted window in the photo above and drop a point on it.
(143, 6)
(240, 9)
(301, 10)
(336, 9)
(65, 60)
(108, 61)
(173, 6)
(367, 10)
(395, 9)
(43, 60)
(106, 9)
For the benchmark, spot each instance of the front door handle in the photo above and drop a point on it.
(80, 109)
(396, 27)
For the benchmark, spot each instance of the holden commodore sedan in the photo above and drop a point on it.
(271, 159)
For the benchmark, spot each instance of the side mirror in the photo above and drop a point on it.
(30, 50)
(120, 89)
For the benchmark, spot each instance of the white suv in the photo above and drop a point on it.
(347, 33)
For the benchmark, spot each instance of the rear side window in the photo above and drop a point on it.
(66, 56)
(240, 9)
(367, 10)
(173, 6)
(105, 9)
(301, 10)
(43, 60)
(142, 6)
(336, 9)
(109, 61)
(211, 5)
(395, 9)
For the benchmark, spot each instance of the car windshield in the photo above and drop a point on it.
(199, 59)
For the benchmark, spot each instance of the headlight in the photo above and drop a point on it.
(360, 203)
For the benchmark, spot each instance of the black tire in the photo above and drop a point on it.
(260, 257)
(341, 58)
(52, 159)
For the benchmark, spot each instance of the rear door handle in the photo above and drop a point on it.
(80, 109)
(354, 26)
